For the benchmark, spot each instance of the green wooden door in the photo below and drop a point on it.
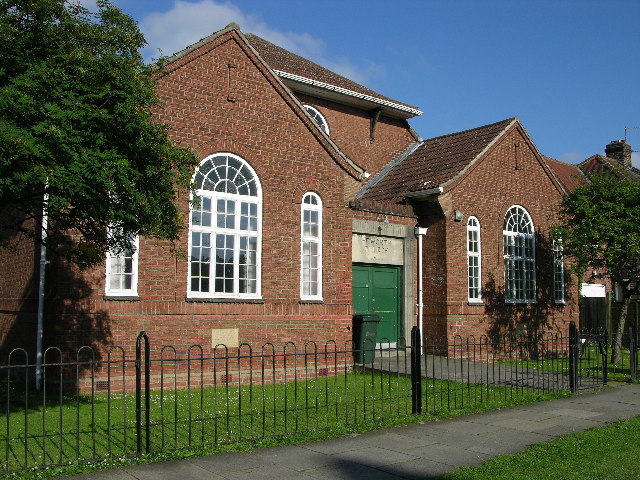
(376, 290)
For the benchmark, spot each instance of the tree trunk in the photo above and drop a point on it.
(616, 354)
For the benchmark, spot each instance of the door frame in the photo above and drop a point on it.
(406, 260)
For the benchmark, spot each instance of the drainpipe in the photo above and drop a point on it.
(420, 232)
(43, 264)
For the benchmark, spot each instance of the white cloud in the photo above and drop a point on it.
(572, 157)
(187, 22)
(635, 159)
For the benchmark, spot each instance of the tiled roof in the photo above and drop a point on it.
(567, 174)
(598, 164)
(433, 163)
(282, 60)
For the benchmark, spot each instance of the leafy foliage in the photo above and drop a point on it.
(77, 128)
(601, 229)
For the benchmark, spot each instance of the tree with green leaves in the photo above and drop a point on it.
(78, 140)
(600, 231)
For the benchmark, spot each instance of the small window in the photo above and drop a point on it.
(473, 259)
(317, 116)
(519, 256)
(122, 270)
(311, 247)
(558, 272)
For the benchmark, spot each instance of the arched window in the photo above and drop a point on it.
(317, 116)
(519, 256)
(311, 247)
(473, 259)
(225, 227)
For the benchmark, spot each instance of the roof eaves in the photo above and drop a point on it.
(350, 93)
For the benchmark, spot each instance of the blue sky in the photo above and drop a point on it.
(569, 69)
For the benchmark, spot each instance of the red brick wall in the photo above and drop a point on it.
(19, 294)
(350, 128)
(486, 192)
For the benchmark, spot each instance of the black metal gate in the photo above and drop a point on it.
(587, 357)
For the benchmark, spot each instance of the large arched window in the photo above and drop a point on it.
(473, 259)
(519, 256)
(311, 247)
(225, 229)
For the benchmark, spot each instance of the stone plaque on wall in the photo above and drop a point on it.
(225, 336)
(377, 249)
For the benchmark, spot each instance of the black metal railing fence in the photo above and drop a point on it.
(89, 408)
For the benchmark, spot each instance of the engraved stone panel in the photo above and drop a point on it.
(376, 249)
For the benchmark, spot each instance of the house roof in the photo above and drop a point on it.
(569, 176)
(432, 164)
(306, 76)
(599, 164)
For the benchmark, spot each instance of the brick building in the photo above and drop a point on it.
(310, 188)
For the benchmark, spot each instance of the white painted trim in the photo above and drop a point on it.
(349, 93)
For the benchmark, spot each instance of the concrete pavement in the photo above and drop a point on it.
(424, 450)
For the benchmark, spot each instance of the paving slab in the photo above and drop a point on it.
(375, 456)
(181, 470)
(450, 455)
(422, 468)
(295, 457)
(228, 462)
(265, 472)
(351, 471)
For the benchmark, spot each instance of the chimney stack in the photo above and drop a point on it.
(619, 150)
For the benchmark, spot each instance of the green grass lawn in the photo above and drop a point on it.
(77, 429)
(608, 453)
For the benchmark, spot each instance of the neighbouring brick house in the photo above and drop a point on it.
(310, 190)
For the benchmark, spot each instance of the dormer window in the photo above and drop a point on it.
(317, 116)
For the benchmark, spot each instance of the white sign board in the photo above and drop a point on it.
(593, 290)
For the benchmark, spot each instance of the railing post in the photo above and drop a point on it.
(147, 393)
(605, 364)
(633, 353)
(573, 357)
(416, 374)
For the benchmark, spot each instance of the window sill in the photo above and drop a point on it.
(311, 301)
(223, 300)
(475, 302)
(121, 298)
(560, 303)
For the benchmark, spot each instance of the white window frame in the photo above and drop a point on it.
(311, 203)
(211, 181)
(120, 257)
(474, 261)
(519, 252)
(558, 272)
(318, 117)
